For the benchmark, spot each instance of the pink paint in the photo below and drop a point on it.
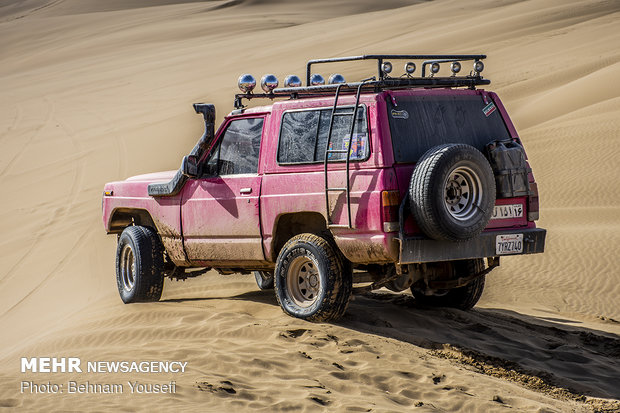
(232, 221)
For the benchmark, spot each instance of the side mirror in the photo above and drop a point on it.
(189, 166)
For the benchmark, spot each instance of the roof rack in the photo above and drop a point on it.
(382, 80)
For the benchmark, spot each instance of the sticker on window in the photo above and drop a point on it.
(400, 114)
(488, 109)
(358, 148)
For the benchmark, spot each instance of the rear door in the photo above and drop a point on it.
(424, 120)
(220, 211)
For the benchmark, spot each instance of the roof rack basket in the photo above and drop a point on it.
(382, 80)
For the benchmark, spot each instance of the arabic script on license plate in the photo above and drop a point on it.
(507, 211)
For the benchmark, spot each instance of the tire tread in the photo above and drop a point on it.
(339, 291)
(149, 250)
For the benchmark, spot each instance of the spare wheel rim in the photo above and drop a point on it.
(462, 193)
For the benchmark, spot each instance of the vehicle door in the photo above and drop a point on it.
(220, 210)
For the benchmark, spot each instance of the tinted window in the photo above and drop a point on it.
(237, 151)
(303, 136)
(418, 123)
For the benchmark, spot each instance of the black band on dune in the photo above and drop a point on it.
(175, 185)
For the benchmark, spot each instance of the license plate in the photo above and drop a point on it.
(507, 211)
(509, 244)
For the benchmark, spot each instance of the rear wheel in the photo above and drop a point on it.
(139, 265)
(312, 281)
(463, 298)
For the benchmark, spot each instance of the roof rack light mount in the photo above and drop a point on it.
(428, 59)
(379, 82)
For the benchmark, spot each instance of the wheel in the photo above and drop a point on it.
(139, 265)
(312, 281)
(264, 280)
(452, 192)
(463, 298)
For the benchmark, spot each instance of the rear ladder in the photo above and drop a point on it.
(347, 151)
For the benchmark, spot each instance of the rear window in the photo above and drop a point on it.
(303, 136)
(418, 123)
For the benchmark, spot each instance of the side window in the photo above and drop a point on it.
(303, 136)
(298, 136)
(237, 151)
(340, 135)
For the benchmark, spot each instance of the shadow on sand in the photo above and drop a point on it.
(568, 362)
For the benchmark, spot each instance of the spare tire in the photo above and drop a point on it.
(452, 192)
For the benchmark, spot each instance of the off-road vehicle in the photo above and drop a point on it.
(398, 181)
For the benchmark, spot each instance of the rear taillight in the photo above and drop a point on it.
(532, 203)
(390, 201)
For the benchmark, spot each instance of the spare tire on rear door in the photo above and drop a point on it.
(452, 192)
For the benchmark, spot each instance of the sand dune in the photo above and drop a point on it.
(97, 91)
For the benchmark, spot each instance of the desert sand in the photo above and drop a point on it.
(95, 91)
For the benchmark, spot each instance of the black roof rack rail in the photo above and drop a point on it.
(380, 82)
(430, 58)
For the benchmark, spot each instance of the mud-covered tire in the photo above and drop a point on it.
(264, 280)
(139, 265)
(312, 281)
(464, 298)
(452, 192)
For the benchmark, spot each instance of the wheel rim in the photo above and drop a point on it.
(303, 281)
(128, 268)
(462, 193)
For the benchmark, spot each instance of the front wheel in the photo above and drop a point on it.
(311, 280)
(139, 265)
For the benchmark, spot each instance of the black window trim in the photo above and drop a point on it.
(319, 108)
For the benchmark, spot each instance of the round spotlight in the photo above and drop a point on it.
(336, 78)
(292, 81)
(386, 68)
(246, 83)
(478, 66)
(455, 67)
(435, 67)
(409, 68)
(317, 80)
(269, 83)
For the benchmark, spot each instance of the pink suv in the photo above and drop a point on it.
(405, 182)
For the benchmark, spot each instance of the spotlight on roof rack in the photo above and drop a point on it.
(336, 78)
(455, 67)
(292, 81)
(246, 83)
(434, 68)
(478, 66)
(317, 80)
(409, 68)
(386, 68)
(269, 83)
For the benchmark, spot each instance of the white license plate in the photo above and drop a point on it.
(509, 244)
(507, 211)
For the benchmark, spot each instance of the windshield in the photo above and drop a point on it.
(418, 123)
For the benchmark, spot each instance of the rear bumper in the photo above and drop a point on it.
(420, 249)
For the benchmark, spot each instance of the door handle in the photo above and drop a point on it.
(246, 191)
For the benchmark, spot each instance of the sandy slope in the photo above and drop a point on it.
(96, 91)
